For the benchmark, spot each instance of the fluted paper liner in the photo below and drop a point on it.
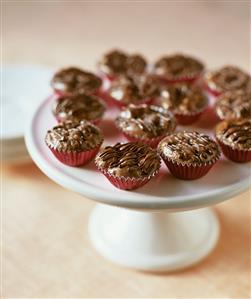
(186, 171)
(235, 155)
(127, 183)
(75, 158)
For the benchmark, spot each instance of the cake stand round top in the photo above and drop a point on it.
(225, 180)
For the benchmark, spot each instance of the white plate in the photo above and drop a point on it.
(225, 179)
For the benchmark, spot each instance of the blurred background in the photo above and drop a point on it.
(46, 252)
(78, 32)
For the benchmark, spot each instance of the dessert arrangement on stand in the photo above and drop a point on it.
(175, 134)
(151, 102)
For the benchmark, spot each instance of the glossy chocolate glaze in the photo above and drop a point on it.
(235, 133)
(133, 160)
(73, 80)
(234, 104)
(183, 98)
(228, 78)
(78, 107)
(146, 122)
(128, 90)
(178, 65)
(74, 137)
(189, 148)
(117, 62)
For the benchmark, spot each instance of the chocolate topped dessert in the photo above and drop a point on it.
(132, 160)
(148, 86)
(73, 80)
(146, 122)
(117, 62)
(183, 98)
(113, 63)
(178, 67)
(136, 65)
(73, 137)
(226, 79)
(234, 104)
(235, 133)
(125, 90)
(189, 148)
(78, 107)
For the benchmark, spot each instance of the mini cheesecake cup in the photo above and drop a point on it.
(131, 136)
(75, 158)
(129, 165)
(69, 115)
(188, 116)
(232, 152)
(72, 157)
(188, 170)
(233, 105)
(127, 183)
(227, 74)
(189, 73)
(73, 81)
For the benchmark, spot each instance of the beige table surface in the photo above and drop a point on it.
(46, 251)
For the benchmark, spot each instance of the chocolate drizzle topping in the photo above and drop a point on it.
(118, 62)
(176, 66)
(133, 160)
(183, 98)
(74, 137)
(228, 78)
(234, 104)
(235, 133)
(73, 80)
(189, 148)
(78, 108)
(146, 122)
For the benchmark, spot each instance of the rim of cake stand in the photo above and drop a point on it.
(122, 198)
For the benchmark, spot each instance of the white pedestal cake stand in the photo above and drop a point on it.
(163, 226)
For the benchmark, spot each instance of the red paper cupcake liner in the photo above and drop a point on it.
(185, 79)
(153, 142)
(186, 172)
(75, 158)
(235, 155)
(187, 119)
(211, 91)
(126, 183)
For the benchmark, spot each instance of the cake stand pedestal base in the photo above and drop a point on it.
(153, 241)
